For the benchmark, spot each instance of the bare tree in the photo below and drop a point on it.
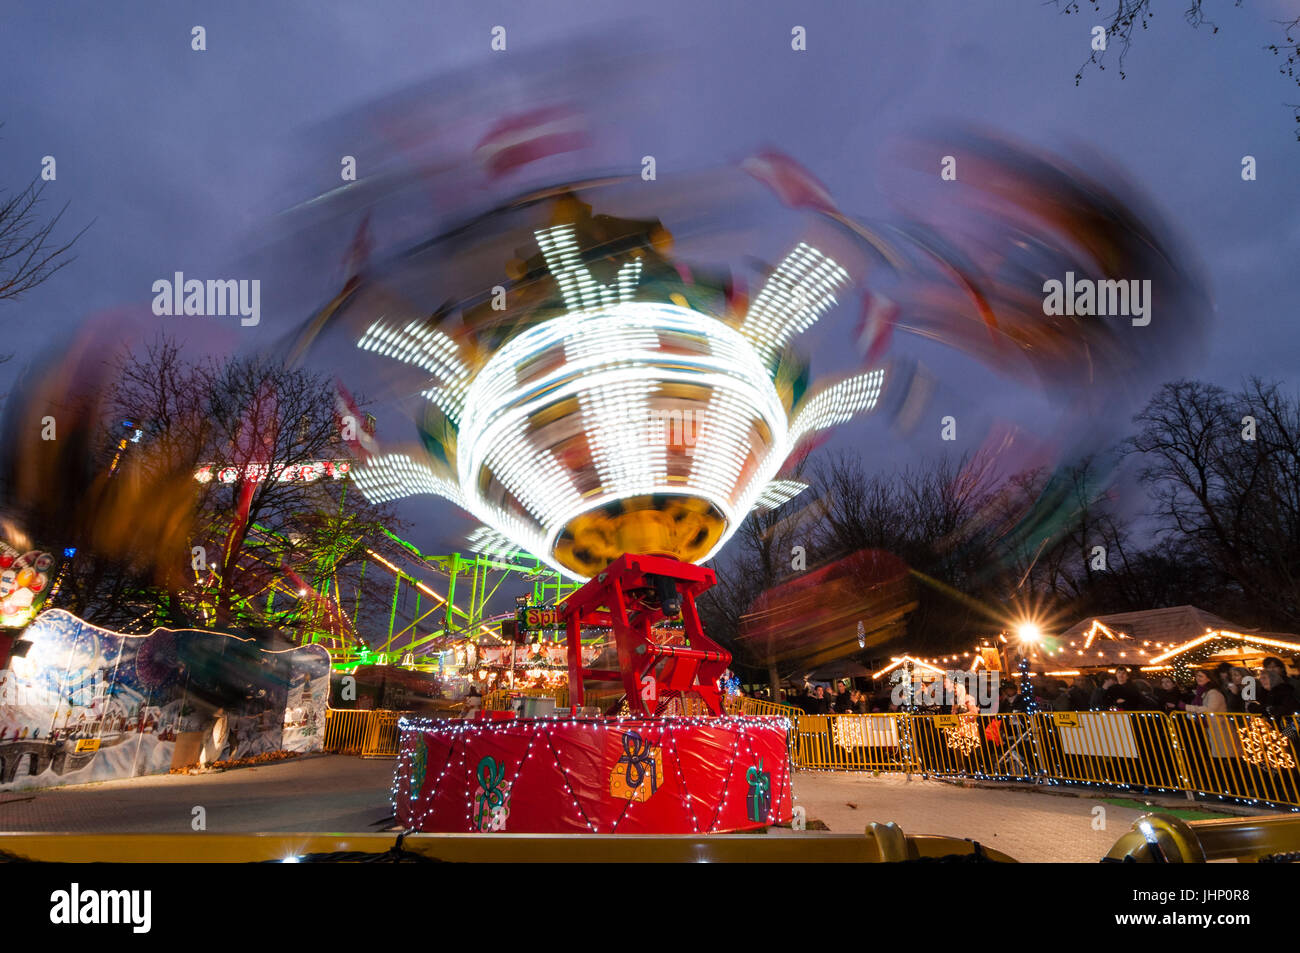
(1061, 518)
(758, 559)
(935, 518)
(1129, 16)
(1223, 470)
(863, 532)
(29, 254)
(252, 420)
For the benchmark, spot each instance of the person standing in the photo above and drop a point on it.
(1123, 695)
(963, 702)
(1081, 693)
(1276, 698)
(1168, 698)
(1230, 682)
(843, 702)
(1206, 697)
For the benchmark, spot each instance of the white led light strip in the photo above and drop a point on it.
(581, 291)
(626, 445)
(614, 358)
(837, 404)
(795, 295)
(392, 476)
(532, 475)
(778, 493)
(425, 348)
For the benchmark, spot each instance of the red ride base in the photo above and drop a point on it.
(640, 775)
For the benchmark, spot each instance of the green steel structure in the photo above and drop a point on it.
(464, 612)
(429, 602)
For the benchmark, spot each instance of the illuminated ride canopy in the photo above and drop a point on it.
(623, 419)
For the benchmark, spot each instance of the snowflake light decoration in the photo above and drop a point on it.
(963, 736)
(1264, 746)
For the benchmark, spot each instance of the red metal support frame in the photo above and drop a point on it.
(623, 597)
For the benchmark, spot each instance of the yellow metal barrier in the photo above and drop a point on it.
(370, 734)
(381, 737)
(1247, 757)
(742, 705)
(1240, 756)
(1119, 748)
(346, 730)
(856, 743)
(997, 746)
(499, 699)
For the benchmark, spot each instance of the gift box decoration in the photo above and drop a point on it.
(639, 771)
(600, 776)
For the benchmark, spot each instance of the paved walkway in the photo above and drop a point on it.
(335, 793)
(322, 793)
(1024, 824)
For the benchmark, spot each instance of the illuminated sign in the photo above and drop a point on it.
(257, 472)
(538, 617)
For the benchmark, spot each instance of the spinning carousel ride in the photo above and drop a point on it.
(617, 412)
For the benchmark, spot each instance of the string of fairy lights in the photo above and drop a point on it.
(765, 778)
(1101, 646)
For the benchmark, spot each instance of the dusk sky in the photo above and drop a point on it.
(182, 159)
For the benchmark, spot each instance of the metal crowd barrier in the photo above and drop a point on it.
(743, 705)
(497, 700)
(996, 746)
(1111, 748)
(346, 730)
(856, 743)
(369, 734)
(1243, 757)
(381, 738)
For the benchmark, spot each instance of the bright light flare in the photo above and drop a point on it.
(1029, 632)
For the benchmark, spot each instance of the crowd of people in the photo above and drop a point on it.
(1270, 690)
(1224, 688)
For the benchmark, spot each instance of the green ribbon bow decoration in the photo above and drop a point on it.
(760, 790)
(419, 765)
(490, 775)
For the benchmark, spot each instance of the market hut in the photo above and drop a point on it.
(1156, 640)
